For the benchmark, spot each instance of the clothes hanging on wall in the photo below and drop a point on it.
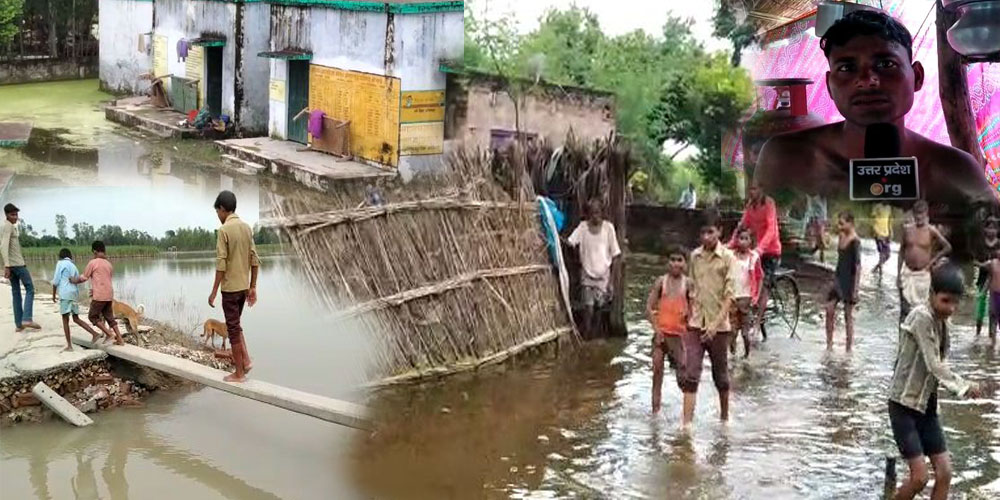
(142, 43)
(182, 50)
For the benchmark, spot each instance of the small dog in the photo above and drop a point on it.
(212, 328)
(131, 316)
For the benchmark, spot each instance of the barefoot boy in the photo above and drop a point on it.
(64, 282)
(236, 273)
(708, 326)
(920, 368)
(916, 259)
(668, 309)
(845, 286)
(748, 274)
(99, 271)
(994, 270)
(598, 246)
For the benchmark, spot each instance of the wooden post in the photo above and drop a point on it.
(954, 90)
(890, 477)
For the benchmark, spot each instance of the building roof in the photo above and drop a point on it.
(393, 6)
(477, 75)
(771, 14)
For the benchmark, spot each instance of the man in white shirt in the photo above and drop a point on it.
(689, 200)
(598, 246)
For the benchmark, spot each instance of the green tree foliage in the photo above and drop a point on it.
(732, 23)
(667, 87)
(182, 238)
(10, 17)
(61, 228)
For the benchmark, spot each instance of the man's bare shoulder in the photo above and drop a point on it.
(788, 158)
(953, 170)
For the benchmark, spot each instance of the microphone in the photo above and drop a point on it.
(882, 141)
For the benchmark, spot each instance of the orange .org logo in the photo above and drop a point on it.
(877, 189)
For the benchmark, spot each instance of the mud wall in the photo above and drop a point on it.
(654, 228)
(45, 70)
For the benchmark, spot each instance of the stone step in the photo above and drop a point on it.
(244, 165)
(163, 134)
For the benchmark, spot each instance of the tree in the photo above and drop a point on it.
(696, 107)
(10, 17)
(733, 23)
(61, 228)
(83, 233)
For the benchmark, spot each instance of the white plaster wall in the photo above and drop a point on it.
(256, 34)
(120, 24)
(349, 40)
(421, 42)
(277, 114)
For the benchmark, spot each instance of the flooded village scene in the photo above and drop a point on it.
(395, 249)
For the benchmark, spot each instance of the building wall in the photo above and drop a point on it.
(47, 70)
(189, 19)
(277, 124)
(348, 39)
(121, 23)
(550, 111)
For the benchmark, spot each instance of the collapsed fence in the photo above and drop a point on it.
(448, 273)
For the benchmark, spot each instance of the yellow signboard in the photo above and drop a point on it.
(194, 67)
(370, 102)
(277, 90)
(421, 139)
(159, 55)
(422, 106)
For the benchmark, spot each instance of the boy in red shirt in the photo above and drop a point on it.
(99, 271)
(668, 310)
(761, 217)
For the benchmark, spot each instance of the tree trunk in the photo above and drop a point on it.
(53, 33)
(954, 90)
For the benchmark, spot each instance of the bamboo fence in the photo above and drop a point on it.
(447, 273)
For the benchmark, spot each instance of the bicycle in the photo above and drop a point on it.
(784, 303)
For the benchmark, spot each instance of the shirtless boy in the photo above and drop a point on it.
(872, 79)
(994, 273)
(917, 257)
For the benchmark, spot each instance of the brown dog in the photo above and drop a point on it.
(131, 316)
(212, 328)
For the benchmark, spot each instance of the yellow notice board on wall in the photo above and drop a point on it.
(159, 55)
(277, 90)
(369, 102)
(422, 106)
(421, 138)
(194, 69)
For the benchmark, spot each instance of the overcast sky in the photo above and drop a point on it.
(616, 16)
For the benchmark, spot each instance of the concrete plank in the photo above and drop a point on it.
(63, 408)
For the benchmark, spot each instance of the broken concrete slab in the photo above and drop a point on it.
(60, 406)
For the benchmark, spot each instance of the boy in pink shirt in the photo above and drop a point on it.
(748, 274)
(99, 271)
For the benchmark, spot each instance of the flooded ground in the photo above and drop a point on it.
(805, 423)
(570, 424)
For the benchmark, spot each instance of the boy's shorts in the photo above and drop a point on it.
(69, 307)
(883, 246)
(592, 296)
(101, 309)
(982, 299)
(917, 434)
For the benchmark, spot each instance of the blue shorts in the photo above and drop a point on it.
(69, 307)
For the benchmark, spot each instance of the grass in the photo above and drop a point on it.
(52, 253)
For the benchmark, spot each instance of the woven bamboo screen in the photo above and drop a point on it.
(447, 272)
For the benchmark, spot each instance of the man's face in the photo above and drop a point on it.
(12, 217)
(920, 218)
(755, 192)
(991, 233)
(222, 215)
(872, 80)
(594, 212)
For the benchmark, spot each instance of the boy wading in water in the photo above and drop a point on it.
(917, 258)
(668, 310)
(748, 274)
(100, 271)
(845, 286)
(64, 281)
(882, 227)
(708, 327)
(984, 258)
(920, 369)
(236, 272)
(598, 244)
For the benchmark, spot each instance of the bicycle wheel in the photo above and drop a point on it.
(784, 306)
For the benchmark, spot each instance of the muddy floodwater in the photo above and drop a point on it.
(804, 423)
(567, 423)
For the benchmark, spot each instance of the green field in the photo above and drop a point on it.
(52, 253)
(126, 251)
